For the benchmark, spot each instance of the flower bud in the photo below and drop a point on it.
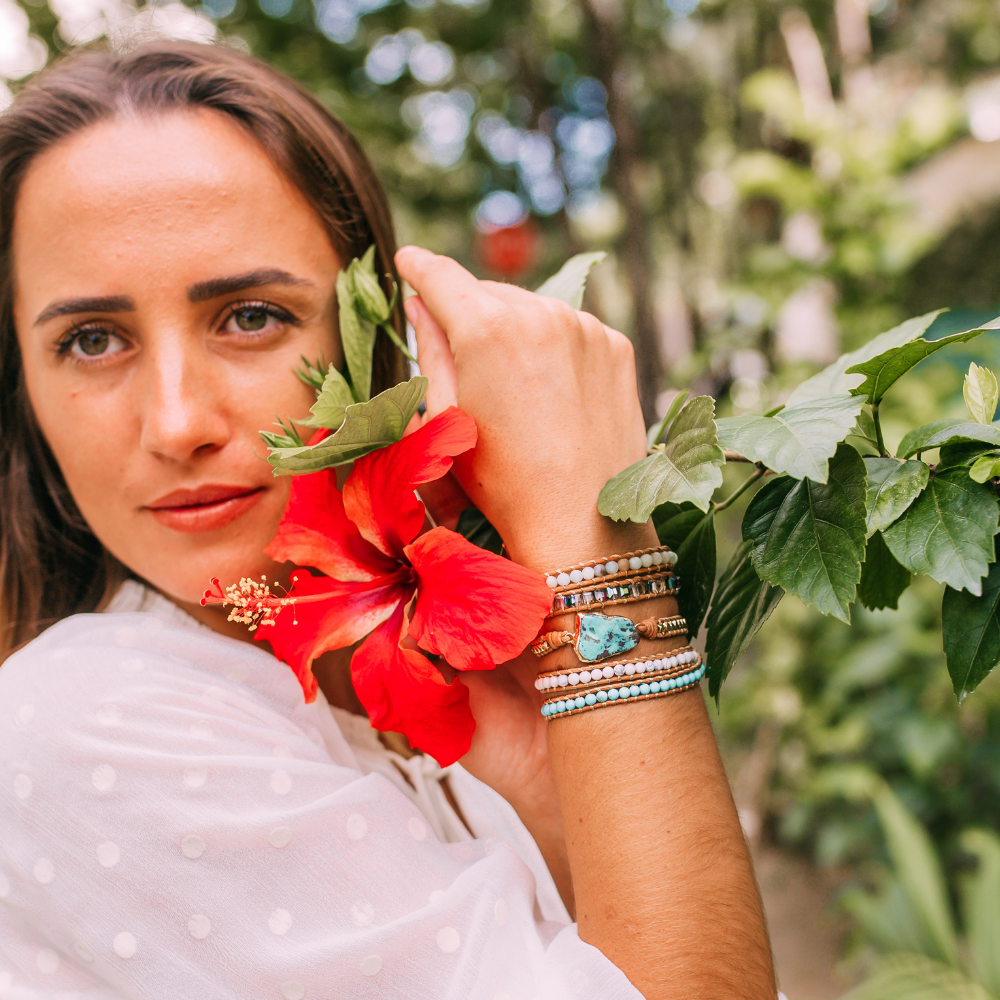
(369, 299)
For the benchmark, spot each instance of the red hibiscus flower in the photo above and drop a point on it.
(472, 607)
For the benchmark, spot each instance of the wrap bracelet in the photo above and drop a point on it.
(599, 636)
(583, 572)
(621, 592)
(624, 693)
(626, 669)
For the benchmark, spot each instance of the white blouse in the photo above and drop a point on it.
(176, 823)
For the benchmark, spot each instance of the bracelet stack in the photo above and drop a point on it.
(597, 638)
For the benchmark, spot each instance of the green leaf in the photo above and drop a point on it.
(886, 918)
(809, 538)
(916, 865)
(914, 977)
(472, 525)
(980, 391)
(313, 373)
(368, 426)
(655, 432)
(964, 453)
(696, 566)
(367, 294)
(882, 578)
(570, 280)
(981, 907)
(890, 487)
(330, 408)
(743, 602)
(985, 467)
(971, 628)
(674, 522)
(832, 380)
(799, 440)
(884, 369)
(948, 531)
(357, 335)
(686, 467)
(946, 432)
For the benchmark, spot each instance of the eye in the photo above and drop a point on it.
(256, 318)
(92, 343)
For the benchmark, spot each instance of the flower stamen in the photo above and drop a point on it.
(252, 601)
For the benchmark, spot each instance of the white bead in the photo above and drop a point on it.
(539, 684)
(619, 670)
(600, 569)
(657, 558)
(608, 672)
(630, 669)
(576, 576)
(584, 676)
(588, 572)
(611, 567)
(635, 562)
(574, 679)
(661, 664)
(552, 582)
(671, 661)
(563, 579)
(672, 558)
(640, 668)
(646, 560)
(563, 680)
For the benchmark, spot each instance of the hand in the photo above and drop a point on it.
(553, 393)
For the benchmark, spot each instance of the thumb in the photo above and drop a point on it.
(434, 357)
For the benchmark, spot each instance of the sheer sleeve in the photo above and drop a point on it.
(172, 826)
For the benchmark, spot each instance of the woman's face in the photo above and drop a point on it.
(167, 280)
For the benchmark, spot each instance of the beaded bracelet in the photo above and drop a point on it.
(647, 665)
(599, 636)
(614, 696)
(657, 556)
(621, 592)
(678, 676)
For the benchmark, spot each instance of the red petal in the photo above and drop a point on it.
(378, 495)
(329, 614)
(405, 693)
(315, 531)
(473, 607)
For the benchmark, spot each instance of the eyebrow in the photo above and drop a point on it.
(68, 307)
(204, 290)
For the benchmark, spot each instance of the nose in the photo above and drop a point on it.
(184, 412)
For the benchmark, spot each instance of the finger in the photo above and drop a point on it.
(455, 298)
(434, 358)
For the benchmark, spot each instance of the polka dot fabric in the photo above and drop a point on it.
(175, 822)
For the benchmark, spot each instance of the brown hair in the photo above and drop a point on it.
(51, 564)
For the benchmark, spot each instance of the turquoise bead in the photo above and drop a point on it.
(591, 699)
(560, 706)
(672, 683)
(545, 710)
(655, 687)
(602, 696)
(644, 689)
(623, 692)
(600, 636)
(613, 694)
(580, 701)
(634, 690)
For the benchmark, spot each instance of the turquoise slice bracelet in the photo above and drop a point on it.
(622, 694)
(599, 636)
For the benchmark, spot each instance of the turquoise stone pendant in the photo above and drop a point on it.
(600, 636)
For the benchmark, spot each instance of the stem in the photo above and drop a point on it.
(880, 444)
(741, 489)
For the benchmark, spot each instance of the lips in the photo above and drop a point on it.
(206, 508)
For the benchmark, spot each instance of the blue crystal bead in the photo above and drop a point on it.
(600, 636)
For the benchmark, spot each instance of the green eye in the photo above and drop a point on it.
(93, 342)
(251, 318)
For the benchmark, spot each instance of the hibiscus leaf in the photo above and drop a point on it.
(357, 335)
(656, 431)
(964, 454)
(673, 522)
(947, 533)
(985, 467)
(685, 467)
(939, 433)
(891, 486)
(743, 602)
(809, 538)
(473, 525)
(832, 380)
(696, 557)
(313, 373)
(980, 391)
(569, 282)
(883, 580)
(330, 408)
(885, 369)
(367, 427)
(971, 627)
(798, 440)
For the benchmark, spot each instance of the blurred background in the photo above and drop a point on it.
(774, 182)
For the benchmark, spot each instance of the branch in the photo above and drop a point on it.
(740, 490)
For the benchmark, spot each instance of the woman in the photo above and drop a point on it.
(175, 821)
